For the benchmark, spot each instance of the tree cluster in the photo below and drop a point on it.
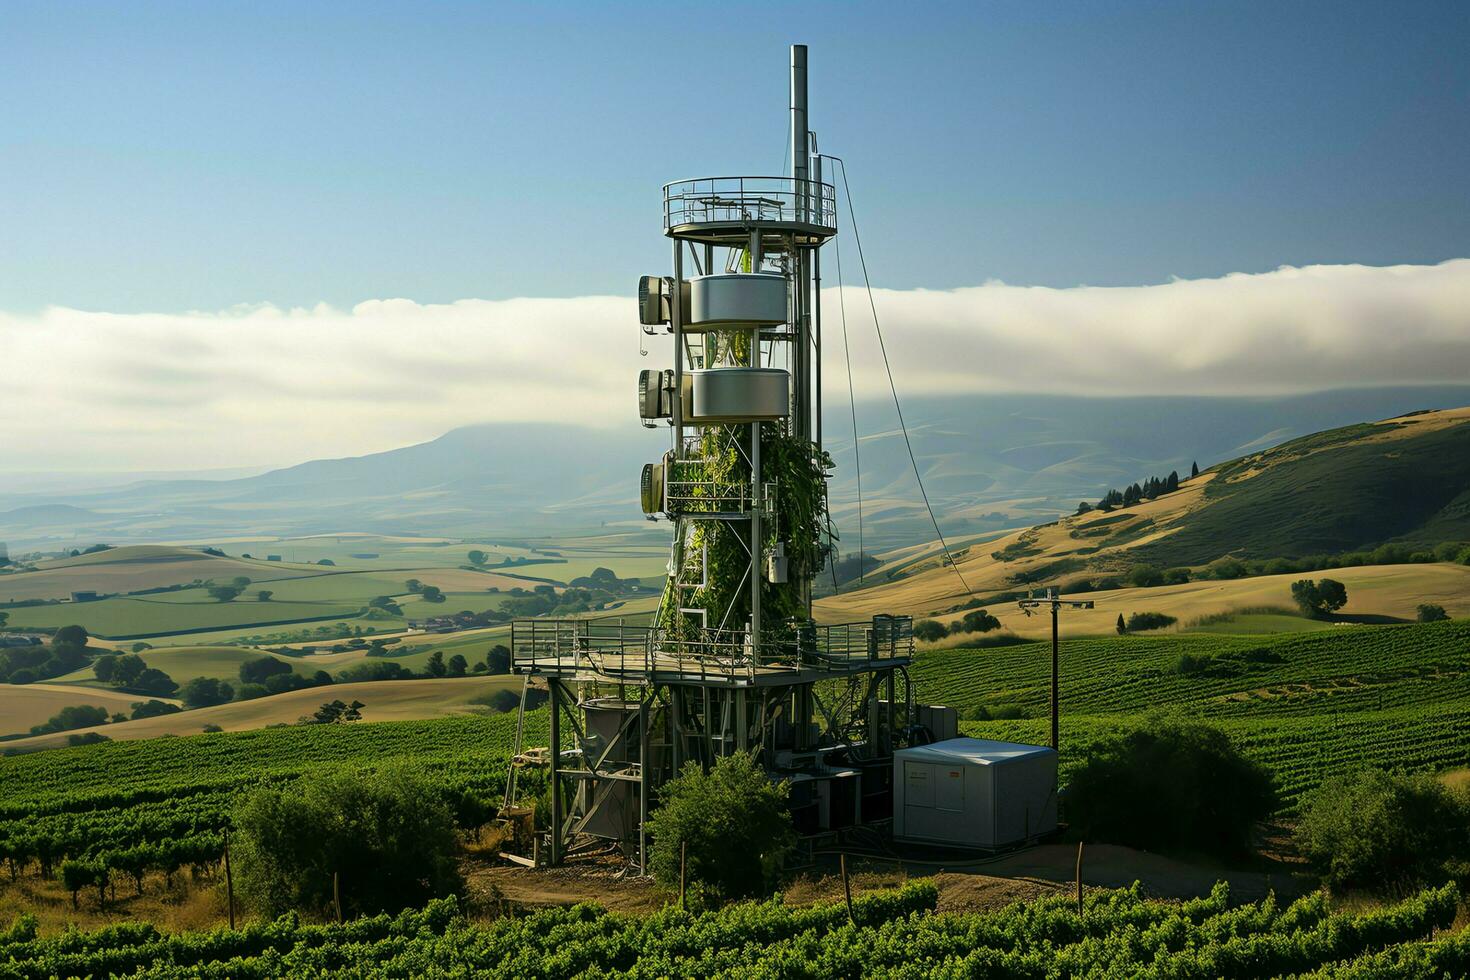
(1154, 486)
(66, 652)
(975, 621)
(130, 672)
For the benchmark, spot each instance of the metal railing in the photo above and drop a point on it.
(617, 650)
(688, 490)
(740, 200)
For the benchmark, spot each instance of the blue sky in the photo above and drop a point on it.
(166, 157)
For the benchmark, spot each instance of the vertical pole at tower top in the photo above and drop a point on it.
(799, 152)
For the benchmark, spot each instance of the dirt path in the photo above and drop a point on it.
(963, 887)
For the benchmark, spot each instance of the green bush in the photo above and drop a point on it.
(1431, 612)
(1168, 785)
(1192, 664)
(1384, 831)
(1139, 622)
(978, 621)
(930, 630)
(389, 836)
(734, 823)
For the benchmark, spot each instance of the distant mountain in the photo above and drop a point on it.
(990, 463)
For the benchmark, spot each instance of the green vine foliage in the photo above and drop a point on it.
(796, 472)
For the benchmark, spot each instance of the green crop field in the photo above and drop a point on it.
(1307, 704)
(178, 612)
(187, 662)
(170, 797)
(883, 934)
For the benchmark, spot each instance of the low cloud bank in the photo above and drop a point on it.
(256, 385)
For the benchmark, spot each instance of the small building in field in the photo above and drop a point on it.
(974, 793)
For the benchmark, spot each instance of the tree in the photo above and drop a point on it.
(1141, 622)
(126, 671)
(264, 595)
(386, 603)
(458, 665)
(1384, 831)
(72, 716)
(153, 708)
(1172, 483)
(1193, 470)
(154, 681)
(477, 557)
(104, 666)
(201, 692)
(1430, 612)
(1319, 599)
(388, 834)
(1122, 627)
(733, 822)
(1145, 576)
(240, 582)
(224, 593)
(930, 630)
(435, 666)
(413, 585)
(1171, 783)
(497, 659)
(75, 636)
(432, 593)
(1083, 508)
(976, 621)
(332, 712)
(257, 670)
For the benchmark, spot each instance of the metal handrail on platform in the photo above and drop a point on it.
(562, 646)
(743, 200)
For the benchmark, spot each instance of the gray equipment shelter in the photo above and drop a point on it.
(974, 792)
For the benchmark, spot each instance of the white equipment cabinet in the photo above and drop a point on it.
(974, 792)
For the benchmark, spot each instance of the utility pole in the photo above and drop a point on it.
(1053, 598)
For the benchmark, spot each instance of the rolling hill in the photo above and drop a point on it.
(384, 700)
(1404, 480)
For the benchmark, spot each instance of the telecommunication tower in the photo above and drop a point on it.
(732, 660)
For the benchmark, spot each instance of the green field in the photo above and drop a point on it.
(177, 613)
(185, 663)
(1307, 704)
(881, 934)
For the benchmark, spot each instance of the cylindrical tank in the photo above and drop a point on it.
(738, 395)
(736, 299)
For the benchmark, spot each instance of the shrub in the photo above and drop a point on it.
(1383, 831)
(978, 621)
(201, 692)
(930, 630)
(1171, 784)
(1431, 612)
(1145, 577)
(734, 823)
(1139, 622)
(257, 670)
(388, 835)
(1318, 599)
(153, 708)
(1192, 664)
(72, 716)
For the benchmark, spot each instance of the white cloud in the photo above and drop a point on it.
(258, 385)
